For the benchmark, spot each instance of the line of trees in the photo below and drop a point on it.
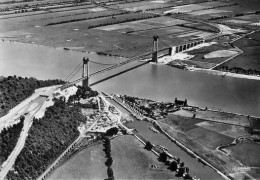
(88, 18)
(239, 70)
(109, 161)
(15, 89)
(124, 20)
(175, 165)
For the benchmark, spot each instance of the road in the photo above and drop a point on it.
(31, 106)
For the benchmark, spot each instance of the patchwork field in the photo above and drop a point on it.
(203, 137)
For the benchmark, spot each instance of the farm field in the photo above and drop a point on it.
(251, 17)
(182, 123)
(195, 7)
(204, 137)
(247, 153)
(3, 3)
(153, 23)
(209, 138)
(55, 12)
(236, 9)
(75, 34)
(132, 161)
(30, 21)
(142, 5)
(94, 28)
(250, 58)
(205, 54)
(83, 165)
(173, 30)
(223, 117)
(232, 131)
(209, 11)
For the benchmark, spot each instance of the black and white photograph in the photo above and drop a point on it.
(129, 89)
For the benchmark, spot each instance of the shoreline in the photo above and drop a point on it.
(223, 74)
(64, 48)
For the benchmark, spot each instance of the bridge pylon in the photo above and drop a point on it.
(85, 72)
(155, 49)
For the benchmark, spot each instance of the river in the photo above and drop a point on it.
(157, 82)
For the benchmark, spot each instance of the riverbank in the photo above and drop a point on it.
(223, 74)
(73, 49)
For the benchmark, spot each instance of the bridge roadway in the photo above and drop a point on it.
(117, 74)
(107, 69)
(57, 161)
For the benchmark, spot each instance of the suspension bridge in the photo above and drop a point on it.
(160, 48)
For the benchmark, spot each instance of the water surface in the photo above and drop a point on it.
(157, 82)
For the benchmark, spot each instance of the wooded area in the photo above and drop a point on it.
(15, 89)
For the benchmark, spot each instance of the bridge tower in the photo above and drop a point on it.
(155, 49)
(85, 72)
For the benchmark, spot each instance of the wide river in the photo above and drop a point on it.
(157, 82)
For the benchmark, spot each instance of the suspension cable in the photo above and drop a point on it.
(73, 71)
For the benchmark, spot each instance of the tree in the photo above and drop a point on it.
(109, 161)
(187, 176)
(163, 157)
(180, 172)
(173, 166)
(110, 173)
(148, 145)
(111, 132)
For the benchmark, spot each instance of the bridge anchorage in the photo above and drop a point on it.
(85, 72)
